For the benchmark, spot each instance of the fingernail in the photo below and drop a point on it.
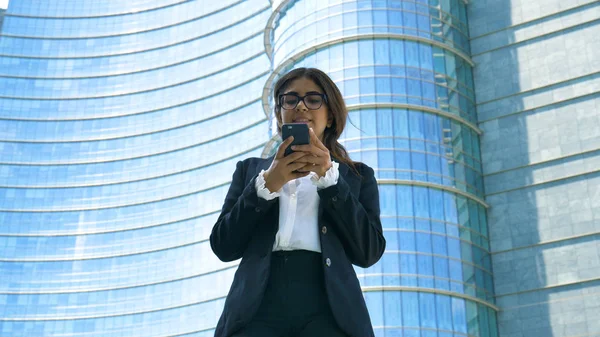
(294, 147)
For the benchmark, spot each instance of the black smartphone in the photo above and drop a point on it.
(300, 133)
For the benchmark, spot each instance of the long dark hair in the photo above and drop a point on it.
(335, 104)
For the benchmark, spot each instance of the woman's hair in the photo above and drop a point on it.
(335, 104)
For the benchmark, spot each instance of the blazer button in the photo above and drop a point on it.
(257, 209)
(328, 262)
(334, 199)
(324, 230)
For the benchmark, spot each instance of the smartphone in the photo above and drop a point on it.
(300, 133)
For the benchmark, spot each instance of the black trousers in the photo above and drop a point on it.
(295, 303)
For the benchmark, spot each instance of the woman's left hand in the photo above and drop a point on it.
(319, 161)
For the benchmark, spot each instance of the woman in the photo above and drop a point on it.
(299, 222)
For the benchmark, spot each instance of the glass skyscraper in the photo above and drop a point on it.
(405, 73)
(121, 123)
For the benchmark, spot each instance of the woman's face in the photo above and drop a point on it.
(317, 119)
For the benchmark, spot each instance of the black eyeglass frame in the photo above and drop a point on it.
(301, 98)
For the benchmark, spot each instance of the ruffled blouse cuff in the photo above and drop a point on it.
(261, 190)
(329, 179)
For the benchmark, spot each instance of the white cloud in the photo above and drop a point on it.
(4, 4)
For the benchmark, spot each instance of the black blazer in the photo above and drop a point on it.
(246, 228)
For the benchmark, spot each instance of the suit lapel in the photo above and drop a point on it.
(343, 173)
(272, 225)
(343, 170)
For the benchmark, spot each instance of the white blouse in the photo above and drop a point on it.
(298, 209)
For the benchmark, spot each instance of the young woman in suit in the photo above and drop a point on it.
(299, 223)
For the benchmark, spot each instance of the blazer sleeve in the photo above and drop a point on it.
(242, 211)
(356, 219)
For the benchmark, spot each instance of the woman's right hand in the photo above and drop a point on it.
(282, 168)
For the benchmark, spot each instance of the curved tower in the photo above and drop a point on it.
(405, 72)
(120, 123)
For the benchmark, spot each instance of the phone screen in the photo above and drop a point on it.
(300, 133)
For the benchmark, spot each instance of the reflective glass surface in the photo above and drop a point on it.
(208, 27)
(414, 145)
(120, 126)
(437, 242)
(310, 22)
(201, 50)
(404, 72)
(167, 98)
(397, 71)
(205, 68)
(121, 123)
(75, 8)
(141, 20)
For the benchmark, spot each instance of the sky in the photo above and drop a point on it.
(3, 4)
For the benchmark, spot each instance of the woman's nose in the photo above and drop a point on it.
(301, 106)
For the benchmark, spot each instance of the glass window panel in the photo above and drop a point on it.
(350, 18)
(374, 302)
(385, 124)
(427, 310)
(410, 309)
(424, 25)
(382, 52)
(382, 85)
(405, 199)
(367, 86)
(386, 160)
(350, 54)
(407, 241)
(425, 267)
(388, 200)
(336, 54)
(393, 308)
(420, 202)
(454, 248)
(366, 52)
(401, 124)
(424, 242)
(450, 208)
(410, 21)
(351, 87)
(365, 18)
(368, 122)
(444, 312)
(353, 126)
(459, 315)
(417, 127)
(391, 262)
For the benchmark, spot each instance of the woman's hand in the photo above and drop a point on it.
(282, 168)
(317, 157)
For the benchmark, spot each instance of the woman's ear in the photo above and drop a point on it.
(330, 120)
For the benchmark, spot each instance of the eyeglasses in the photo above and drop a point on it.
(312, 101)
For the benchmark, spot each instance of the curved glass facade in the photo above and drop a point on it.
(121, 123)
(119, 128)
(404, 70)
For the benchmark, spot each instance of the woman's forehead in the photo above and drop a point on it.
(302, 85)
